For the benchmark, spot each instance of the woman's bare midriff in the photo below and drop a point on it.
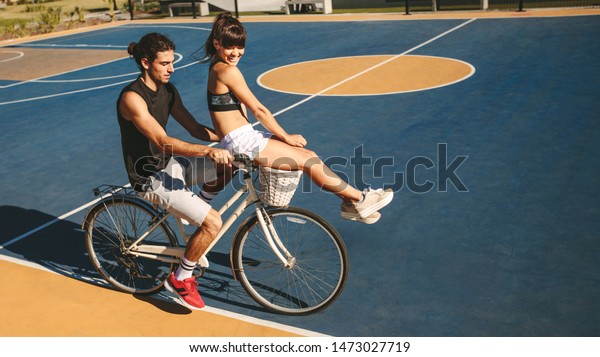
(226, 122)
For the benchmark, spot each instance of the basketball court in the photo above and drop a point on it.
(485, 126)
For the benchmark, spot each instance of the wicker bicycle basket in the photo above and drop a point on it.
(277, 187)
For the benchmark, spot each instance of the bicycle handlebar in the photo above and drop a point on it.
(245, 161)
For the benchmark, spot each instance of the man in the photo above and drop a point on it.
(162, 168)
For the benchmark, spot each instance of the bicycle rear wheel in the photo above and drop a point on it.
(110, 228)
(316, 277)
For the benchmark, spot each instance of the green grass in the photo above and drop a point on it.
(26, 18)
(16, 12)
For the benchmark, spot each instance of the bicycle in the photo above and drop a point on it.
(288, 259)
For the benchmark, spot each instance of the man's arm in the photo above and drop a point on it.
(134, 109)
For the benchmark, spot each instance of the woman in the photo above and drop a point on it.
(228, 98)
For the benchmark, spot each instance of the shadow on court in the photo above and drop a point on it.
(66, 255)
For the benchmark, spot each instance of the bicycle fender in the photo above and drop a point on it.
(113, 198)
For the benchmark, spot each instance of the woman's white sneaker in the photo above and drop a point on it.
(352, 215)
(373, 201)
(365, 210)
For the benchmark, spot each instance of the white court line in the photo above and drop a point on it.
(40, 80)
(178, 55)
(375, 66)
(276, 114)
(60, 74)
(19, 55)
(85, 79)
(56, 45)
(43, 80)
(173, 26)
(55, 220)
(63, 94)
(266, 323)
(260, 83)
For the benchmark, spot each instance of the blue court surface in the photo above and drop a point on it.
(494, 227)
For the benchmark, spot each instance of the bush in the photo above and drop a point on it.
(14, 28)
(49, 19)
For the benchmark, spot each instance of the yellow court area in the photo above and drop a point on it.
(366, 75)
(24, 64)
(41, 303)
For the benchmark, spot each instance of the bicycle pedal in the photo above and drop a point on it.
(201, 273)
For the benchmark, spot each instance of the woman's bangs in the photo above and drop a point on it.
(234, 39)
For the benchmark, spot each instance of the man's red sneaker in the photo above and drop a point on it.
(186, 292)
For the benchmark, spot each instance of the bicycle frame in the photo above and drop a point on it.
(173, 254)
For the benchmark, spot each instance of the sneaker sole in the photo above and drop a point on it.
(357, 218)
(377, 206)
(180, 299)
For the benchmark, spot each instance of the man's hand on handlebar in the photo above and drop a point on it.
(221, 156)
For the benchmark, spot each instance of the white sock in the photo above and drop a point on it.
(185, 269)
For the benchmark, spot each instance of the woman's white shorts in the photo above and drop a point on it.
(245, 140)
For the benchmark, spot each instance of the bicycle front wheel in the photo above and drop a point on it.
(315, 278)
(110, 228)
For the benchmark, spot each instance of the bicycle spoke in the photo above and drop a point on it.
(114, 226)
(315, 275)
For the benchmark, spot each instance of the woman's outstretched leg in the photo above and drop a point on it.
(279, 155)
(356, 205)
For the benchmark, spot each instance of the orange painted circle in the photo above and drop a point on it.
(366, 75)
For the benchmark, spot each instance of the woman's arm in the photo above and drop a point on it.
(232, 77)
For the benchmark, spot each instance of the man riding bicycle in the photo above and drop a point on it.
(162, 168)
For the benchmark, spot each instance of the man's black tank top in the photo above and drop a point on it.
(142, 158)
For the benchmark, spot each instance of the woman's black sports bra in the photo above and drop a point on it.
(223, 102)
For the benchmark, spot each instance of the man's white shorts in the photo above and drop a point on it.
(170, 188)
